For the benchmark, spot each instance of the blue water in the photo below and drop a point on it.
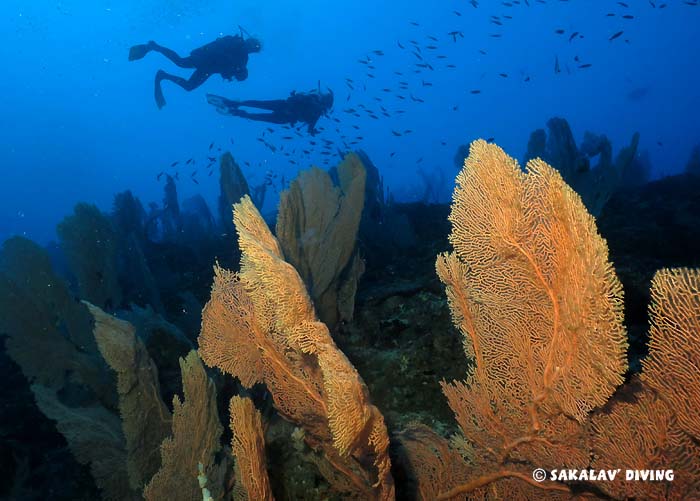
(79, 122)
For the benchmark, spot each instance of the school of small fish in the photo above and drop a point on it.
(423, 52)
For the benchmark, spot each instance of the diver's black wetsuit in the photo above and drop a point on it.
(298, 107)
(227, 56)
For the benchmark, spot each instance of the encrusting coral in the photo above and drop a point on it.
(260, 326)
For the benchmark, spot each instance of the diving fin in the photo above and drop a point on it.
(138, 51)
(222, 104)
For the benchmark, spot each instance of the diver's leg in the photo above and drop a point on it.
(182, 62)
(270, 104)
(197, 79)
(273, 118)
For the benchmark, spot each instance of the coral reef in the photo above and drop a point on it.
(529, 287)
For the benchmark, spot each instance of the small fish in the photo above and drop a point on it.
(616, 35)
(195, 181)
(174, 164)
(160, 174)
(475, 91)
(585, 65)
(400, 46)
(211, 146)
(559, 31)
(573, 35)
(392, 154)
(395, 133)
(503, 75)
(455, 34)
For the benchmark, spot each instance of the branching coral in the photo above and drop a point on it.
(248, 446)
(145, 419)
(260, 326)
(196, 431)
(540, 308)
(658, 427)
(317, 229)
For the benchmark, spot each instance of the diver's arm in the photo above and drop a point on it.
(312, 126)
(240, 73)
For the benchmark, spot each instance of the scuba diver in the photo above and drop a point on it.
(305, 107)
(227, 56)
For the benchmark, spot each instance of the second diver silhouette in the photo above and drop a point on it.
(304, 107)
(227, 56)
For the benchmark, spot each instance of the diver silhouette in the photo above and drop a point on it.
(227, 56)
(305, 107)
